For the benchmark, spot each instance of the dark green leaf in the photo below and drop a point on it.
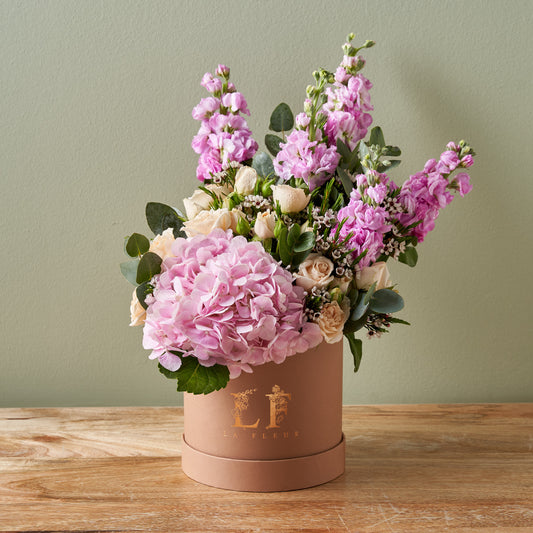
(161, 216)
(293, 235)
(356, 347)
(393, 163)
(351, 326)
(391, 151)
(305, 242)
(149, 266)
(376, 137)
(345, 180)
(281, 118)
(129, 270)
(141, 294)
(394, 320)
(137, 245)
(284, 251)
(263, 164)
(344, 150)
(409, 257)
(298, 257)
(198, 379)
(272, 143)
(386, 301)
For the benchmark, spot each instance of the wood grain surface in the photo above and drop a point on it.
(409, 468)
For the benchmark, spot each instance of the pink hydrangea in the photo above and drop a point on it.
(225, 301)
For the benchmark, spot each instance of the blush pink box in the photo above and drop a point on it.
(277, 429)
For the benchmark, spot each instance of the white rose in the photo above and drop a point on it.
(245, 180)
(264, 225)
(315, 271)
(201, 201)
(137, 311)
(291, 199)
(331, 322)
(207, 221)
(343, 283)
(377, 273)
(162, 244)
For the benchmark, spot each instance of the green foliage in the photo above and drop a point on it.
(293, 245)
(149, 266)
(262, 163)
(142, 291)
(386, 301)
(272, 143)
(345, 180)
(129, 270)
(409, 257)
(197, 379)
(394, 320)
(356, 347)
(376, 137)
(161, 216)
(137, 245)
(282, 118)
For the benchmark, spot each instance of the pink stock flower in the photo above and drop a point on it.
(312, 161)
(224, 136)
(366, 226)
(226, 301)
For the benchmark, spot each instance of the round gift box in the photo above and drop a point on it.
(277, 429)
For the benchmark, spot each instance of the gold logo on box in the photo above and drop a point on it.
(279, 406)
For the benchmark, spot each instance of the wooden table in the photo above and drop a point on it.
(409, 468)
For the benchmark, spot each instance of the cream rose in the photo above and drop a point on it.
(201, 201)
(331, 322)
(343, 283)
(245, 180)
(162, 244)
(315, 271)
(264, 225)
(291, 199)
(377, 273)
(137, 311)
(207, 221)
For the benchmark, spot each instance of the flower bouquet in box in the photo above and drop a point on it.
(276, 257)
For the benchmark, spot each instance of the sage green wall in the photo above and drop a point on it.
(96, 121)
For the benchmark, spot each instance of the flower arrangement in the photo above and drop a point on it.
(274, 256)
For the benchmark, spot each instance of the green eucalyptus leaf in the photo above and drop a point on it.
(137, 245)
(409, 256)
(262, 163)
(141, 294)
(370, 293)
(345, 180)
(386, 301)
(149, 266)
(360, 308)
(298, 258)
(356, 347)
(272, 142)
(282, 118)
(161, 217)
(363, 150)
(377, 137)
(305, 242)
(129, 270)
(392, 164)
